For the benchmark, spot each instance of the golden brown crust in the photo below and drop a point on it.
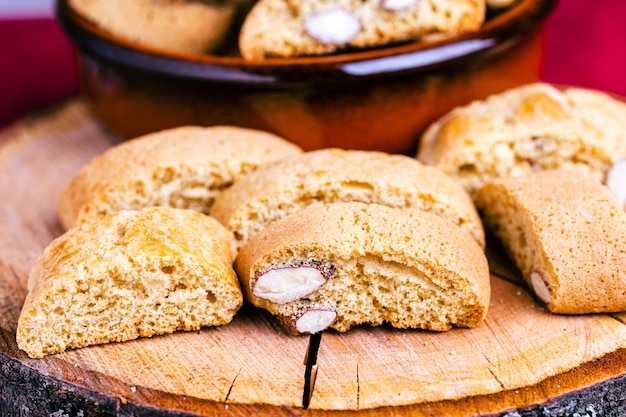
(184, 167)
(566, 228)
(406, 267)
(325, 176)
(166, 25)
(525, 129)
(126, 275)
(277, 28)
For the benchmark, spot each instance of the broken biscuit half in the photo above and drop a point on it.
(127, 275)
(345, 264)
(566, 234)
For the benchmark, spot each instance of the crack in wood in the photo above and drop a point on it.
(495, 376)
(158, 360)
(490, 362)
(232, 384)
(70, 139)
(310, 372)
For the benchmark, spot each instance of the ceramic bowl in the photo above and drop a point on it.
(379, 99)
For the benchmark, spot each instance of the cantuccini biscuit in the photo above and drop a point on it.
(566, 234)
(324, 176)
(184, 167)
(530, 128)
(126, 275)
(167, 25)
(285, 28)
(344, 264)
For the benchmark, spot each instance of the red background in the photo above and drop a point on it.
(585, 45)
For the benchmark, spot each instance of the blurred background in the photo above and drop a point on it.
(37, 62)
(584, 43)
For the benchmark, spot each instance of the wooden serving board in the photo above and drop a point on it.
(521, 361)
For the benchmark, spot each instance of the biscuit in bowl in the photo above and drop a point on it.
(288, 28)
(165, 25)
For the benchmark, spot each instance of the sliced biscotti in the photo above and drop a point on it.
(184, 167)
(129, 274)
(285, 28)
(566, 234)
(344, 264)
(167, 25)
(526, 129)
(324, 176)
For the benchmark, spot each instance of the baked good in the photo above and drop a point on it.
(285, 28)
(344, 264)
(288, 185)
(167, 25)
(184, 167)
(530, 128)
(127, 275)
(566, 234)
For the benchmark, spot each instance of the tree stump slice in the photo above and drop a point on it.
(522, 361)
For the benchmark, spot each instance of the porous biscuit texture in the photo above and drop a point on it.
(526, 129)
(126, 275)
(285, 28)
(184, 167)
(286, 186)
(381, 264)
(566, 234)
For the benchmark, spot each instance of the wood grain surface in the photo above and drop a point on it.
(521, 361)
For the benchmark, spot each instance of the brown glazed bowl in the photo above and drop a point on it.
(378, 99)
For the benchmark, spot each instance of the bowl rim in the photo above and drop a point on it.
(497, 35)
